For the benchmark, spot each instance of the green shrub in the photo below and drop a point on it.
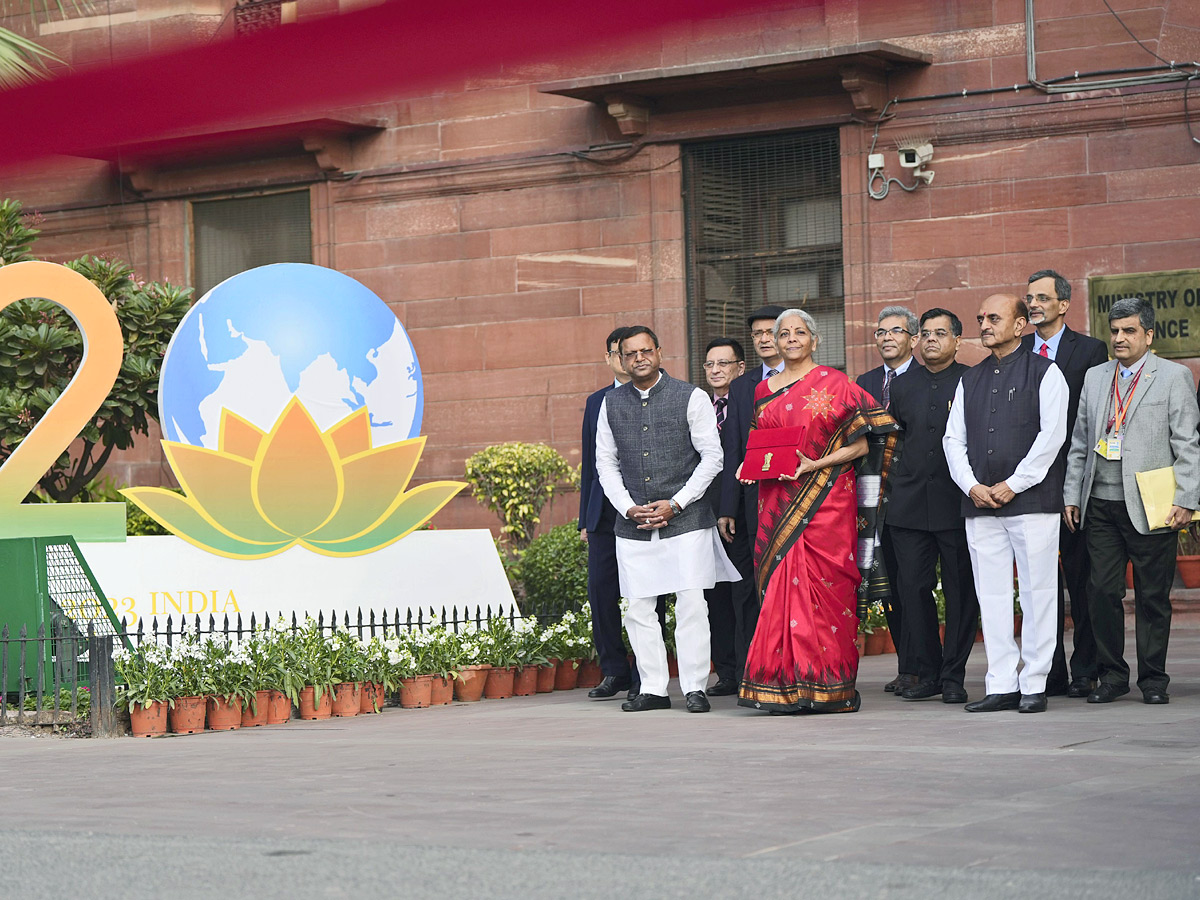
(515, 481)
(554, 572)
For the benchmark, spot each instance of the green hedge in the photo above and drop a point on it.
(554, 572)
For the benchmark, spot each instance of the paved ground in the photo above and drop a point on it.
(557, 796)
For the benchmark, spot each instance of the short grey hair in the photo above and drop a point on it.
(1133, 306)
(910, 317)
(809, 322)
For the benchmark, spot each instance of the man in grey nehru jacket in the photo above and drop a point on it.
(1007, 423)
(657, 450)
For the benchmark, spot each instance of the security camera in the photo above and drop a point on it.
(916, 156)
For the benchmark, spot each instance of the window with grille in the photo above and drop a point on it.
(763, 221)
(240, 233)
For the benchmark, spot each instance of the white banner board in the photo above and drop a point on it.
(156, 577)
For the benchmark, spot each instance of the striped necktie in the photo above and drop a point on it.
(719, 405)
(887, 387)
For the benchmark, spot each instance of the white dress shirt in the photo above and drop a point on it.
(1051, 345)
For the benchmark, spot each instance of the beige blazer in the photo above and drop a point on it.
(1160, 430)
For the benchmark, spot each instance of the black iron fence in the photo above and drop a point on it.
(65, 677)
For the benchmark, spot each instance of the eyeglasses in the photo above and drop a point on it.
(1040, 298)
(630, 355)
(761, 332)
(720, 363)
(894, 332)
(941, 334)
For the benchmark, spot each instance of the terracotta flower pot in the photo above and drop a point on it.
(874, 643)
(672, 665)
(187, 716)
(942, 633)
(415, 692)
(525, 682)
(469, 686)
(224, 715)
(148, 721)
(279, 708)
(252, 719)
(499, 684)
(441, 691)
(590, 674)
(889, 646)
(311, 710)
(567, 675)
(545, 677)
(372, 698)
(979, 635)
(1189, 570)
(1017, 619)
(347, 698)
(1129, 575)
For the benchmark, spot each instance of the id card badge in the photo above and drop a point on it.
(1114, 447)
(1102, 448)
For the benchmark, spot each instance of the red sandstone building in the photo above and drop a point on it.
(512, 222)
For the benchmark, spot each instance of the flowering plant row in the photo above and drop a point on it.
(280, 658)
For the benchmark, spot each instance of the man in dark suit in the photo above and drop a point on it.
(1048, 298)
(724, 360)
(925, 518)
(596, 519)
(895, 332)
(738, 520)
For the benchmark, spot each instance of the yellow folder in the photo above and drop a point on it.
(1157, 488)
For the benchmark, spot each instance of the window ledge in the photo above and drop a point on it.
(631, 97)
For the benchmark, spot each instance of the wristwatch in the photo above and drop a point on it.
(676, 509)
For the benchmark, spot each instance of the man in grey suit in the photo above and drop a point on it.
(1137, 413)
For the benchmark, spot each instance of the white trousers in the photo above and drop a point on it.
(1032, 541)
(691, 642)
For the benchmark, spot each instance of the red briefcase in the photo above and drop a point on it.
(771, 452)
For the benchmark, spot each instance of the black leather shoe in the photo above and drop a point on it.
(1057, 690)
(995, 702)
(643, 702)
(1081, 687)
(609, 687)
(1107, 693)
(697, 702)
(1156, 696)
(725, 687)
(953, 693)
(922, 690)
(1032, 703)
(899, 683)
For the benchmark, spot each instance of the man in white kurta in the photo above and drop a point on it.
(1008, 421)
(657, 450)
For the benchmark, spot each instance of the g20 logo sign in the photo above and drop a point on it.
(291, 400)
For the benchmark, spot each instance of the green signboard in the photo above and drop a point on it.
(1176, 299)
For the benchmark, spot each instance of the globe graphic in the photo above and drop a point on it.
(265, 335)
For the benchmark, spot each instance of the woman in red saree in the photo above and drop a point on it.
(816, 535)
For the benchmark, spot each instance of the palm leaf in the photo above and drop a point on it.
(22, 61)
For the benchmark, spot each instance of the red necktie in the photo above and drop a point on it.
(1044, 352)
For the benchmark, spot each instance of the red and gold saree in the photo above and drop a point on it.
(816, 540)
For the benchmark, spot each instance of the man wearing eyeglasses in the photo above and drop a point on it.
(925, 521)
(895, 331)
(657, 451)
(1048, 299)
(738, 522)
(724, 360)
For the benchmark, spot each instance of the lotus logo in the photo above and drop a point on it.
(261, 493)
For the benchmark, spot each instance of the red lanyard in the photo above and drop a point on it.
(1121, 408)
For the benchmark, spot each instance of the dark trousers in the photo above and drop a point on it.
(733, 608)
(604, 596)
(919, 553)
(891, 606)
(1073, 577)
(1112, 541)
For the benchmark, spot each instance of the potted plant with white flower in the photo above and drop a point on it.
(147, 686)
